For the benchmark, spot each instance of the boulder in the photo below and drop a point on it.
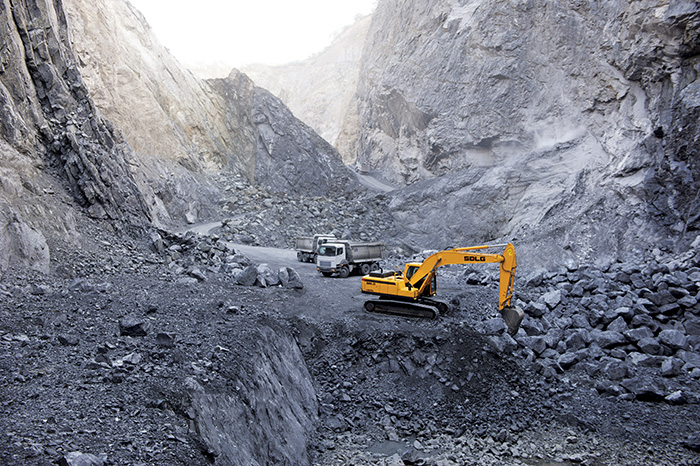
(552, 298)
(289, 278)
(645, 388)
(133, 327)
(650, 345)
(671, 367)
(674, 339)
(608, 338)
(76, 458)
(248, 276)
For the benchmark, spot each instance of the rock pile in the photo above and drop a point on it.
(631, 332)
(263, 219)
(194, 256)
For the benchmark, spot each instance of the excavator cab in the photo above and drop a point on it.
(411, 269)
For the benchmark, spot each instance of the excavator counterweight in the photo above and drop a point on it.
(409, 292)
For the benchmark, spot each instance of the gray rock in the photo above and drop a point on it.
(535, 309)
(157, 243)
(608, 338)
(607, 388)
(645, 388)
(617, 370)
(76, 458)
(621, 312)
(248, 276)
(538, 344)
(650, 346)
(133, 327)
(289, 278)
(689, 357)
(644, 360)
(165, 340)
(674, 339)
(197, 273)
(503, 344)
(688, 302)
(68, 340)
(567, 360)
(671, 367)
(618, 325)
(676, 398)
(552, 298)
(636, 334)
(577, 340)
(692, 326)
(494, 326)
(532, 327)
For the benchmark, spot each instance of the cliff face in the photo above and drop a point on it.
(566, 124)
(289, 156)
(186, 131)
(319, 90)
(56, 148)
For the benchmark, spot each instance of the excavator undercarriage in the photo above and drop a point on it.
(424, 308)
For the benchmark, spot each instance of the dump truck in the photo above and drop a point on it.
(341, 258)
(307, 246)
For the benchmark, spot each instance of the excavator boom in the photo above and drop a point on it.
(409, 293)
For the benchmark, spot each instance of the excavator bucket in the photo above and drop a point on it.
(513, 316)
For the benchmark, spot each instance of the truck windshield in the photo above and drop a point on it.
(326, 251)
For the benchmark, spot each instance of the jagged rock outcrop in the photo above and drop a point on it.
(319, 90)
(289, 156)
(266, 411)
(563, 124)
(56, 148)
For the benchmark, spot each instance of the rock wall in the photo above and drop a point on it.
(98, 116)
(57, 150)
(188, 132)
(562, 124)
(267, 410)
(289, 156)
(175, 123)
(319, 90)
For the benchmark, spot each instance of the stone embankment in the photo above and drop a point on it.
(630, 331)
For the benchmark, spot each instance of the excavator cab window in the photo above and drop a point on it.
(410, 271)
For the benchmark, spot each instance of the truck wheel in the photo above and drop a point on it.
(364, 268)
(300, 257)
(344, 272)
(374, 267)
(313, 258)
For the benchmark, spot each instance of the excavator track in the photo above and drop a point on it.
(402, 308)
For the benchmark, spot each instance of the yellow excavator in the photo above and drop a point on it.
(409, 292)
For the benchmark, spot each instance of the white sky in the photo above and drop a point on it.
(241, 32)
